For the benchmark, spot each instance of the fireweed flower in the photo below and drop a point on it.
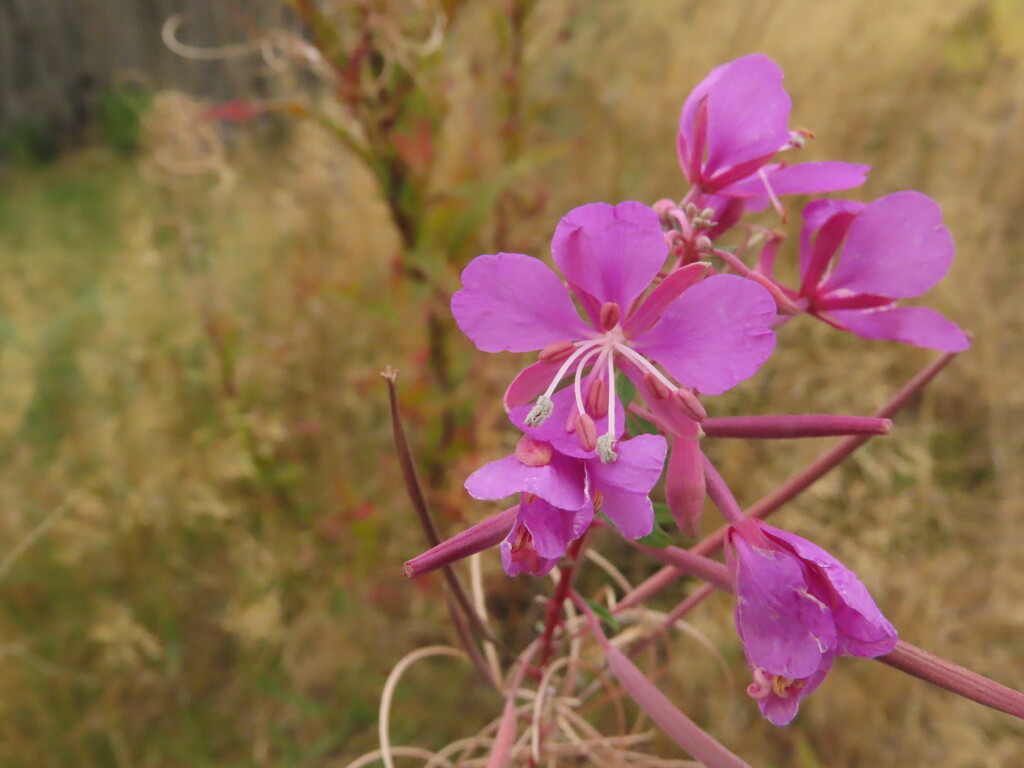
(857, 260)
(570, 489)
(732, 125)
(541, 534)
(707, 334)
(797, 608)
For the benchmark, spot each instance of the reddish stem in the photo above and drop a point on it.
(552, 617)
(795, 485)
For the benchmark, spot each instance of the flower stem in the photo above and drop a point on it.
(795, 485)
(558, 597)
(945, 674)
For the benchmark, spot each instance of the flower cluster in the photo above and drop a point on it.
(648, 300)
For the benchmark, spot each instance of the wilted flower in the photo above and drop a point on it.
(857, 260)
(707, 334)
(797, 608)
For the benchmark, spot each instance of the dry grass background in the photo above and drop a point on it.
(192, 414)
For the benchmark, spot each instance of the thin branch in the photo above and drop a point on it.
(419, 504)
(793, 487)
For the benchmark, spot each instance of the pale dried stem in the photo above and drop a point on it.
(383, 725)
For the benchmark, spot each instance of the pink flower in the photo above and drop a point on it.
(706, 334)
(562, 492)
(857, 260)
(797, 609)
(541, 534)
(732, 125)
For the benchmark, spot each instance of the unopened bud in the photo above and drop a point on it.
(586, 432)
(690, 210)
(606, 448)
(707, 214)
(702, 243)
(597, 399)
(540, 411)
(657, 387)
(610, 315)
(533, 453)
(556, 352)
(689, 404)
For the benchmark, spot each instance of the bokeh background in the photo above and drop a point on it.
(216, 228)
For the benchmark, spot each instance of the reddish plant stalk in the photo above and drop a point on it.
(828, 461)
(792, 426)
(963, 682)
(552, 617)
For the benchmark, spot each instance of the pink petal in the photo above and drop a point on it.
(611, 252)
(815, 215)
(529, 383)
(516, 303)
(715, 335)
(784, 629)
(748, 112)
(801, 179)
(626, 483)
(897, 246)
(667, 291)
(553, 528)
(919, 326)
(864, 631)
(561, 482)
(780, 710)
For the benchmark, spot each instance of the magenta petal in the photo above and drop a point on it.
(863, 630)
(552, 528)
(625, 483)
(516, 303)
(748, 112)
(552, 430)
(919, 326)
(785, 630)
(715, 335)
(561, 482)
(529, 383)
(780, 710)
(897, 246)
(815, 215)
(611, 252)
(801, 179)
(668, 290)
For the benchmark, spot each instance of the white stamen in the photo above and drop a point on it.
(646, 365)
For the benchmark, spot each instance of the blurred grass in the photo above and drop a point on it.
(190, 402)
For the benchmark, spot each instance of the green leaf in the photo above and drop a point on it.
(656, 539)
(604, 614)
(662, 514)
